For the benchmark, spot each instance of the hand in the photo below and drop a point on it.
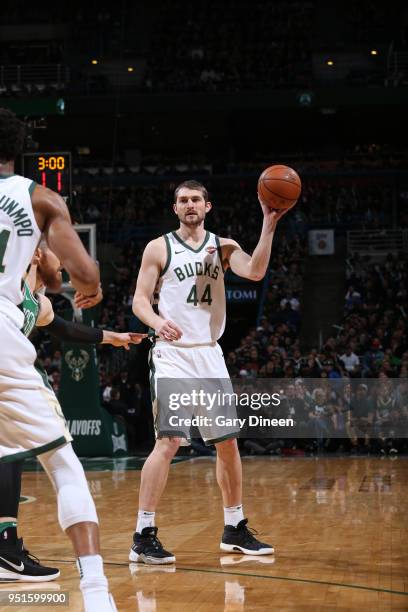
(273, 215)
(169, 331)
(86, 301)
(122, 339)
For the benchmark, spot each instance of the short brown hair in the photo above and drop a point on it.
(191, 185)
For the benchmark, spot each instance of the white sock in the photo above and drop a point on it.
(233, 515)
(93, 583)
(144, 519)
(90, 566)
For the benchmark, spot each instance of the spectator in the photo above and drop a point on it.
(351, 362)
(362, 417)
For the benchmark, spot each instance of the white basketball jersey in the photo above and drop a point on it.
(191, 290)
(19, 237)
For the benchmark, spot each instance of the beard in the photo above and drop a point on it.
(192, 220)
(52, 279)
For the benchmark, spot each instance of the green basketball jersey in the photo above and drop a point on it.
(31, 309)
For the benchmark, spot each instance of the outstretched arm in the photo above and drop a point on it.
(253, 266)
(67, 331)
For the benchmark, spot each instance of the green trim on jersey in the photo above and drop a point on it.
(174, 433)
(200, 248)
(30, 307)
(32, 187)
(152, 373)
(34, 451)
(222, 438)
(219, 251)
(43, 375)
(168, 247)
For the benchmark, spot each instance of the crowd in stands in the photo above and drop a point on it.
(205, 46)
(123, 210)
(231, 46)
(370, 349)
(354, 161)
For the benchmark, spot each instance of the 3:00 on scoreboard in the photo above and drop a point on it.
(52, 170)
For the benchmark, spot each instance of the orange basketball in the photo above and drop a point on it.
(279, 187)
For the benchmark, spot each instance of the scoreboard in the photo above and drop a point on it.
(52, 170)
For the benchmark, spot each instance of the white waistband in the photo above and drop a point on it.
(164, 343)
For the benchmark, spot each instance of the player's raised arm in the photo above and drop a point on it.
(153, 262)
(279, 188)
(252, 266)
(53, 219)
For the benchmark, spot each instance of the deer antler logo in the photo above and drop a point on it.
(77, 364)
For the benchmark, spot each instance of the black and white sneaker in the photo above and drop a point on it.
(241, 539)
(147, 548)
(16, 564)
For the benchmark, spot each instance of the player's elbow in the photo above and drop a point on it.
(249, 273)
(256, 276)
(137, 305)
(86, 278)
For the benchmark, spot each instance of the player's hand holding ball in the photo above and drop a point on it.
(169, 331)
(279, 189)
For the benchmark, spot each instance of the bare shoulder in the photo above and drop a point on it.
(47, 204)
(155, 246)
(156, 252)
(44, 196)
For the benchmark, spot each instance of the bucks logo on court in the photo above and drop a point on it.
(77, 363)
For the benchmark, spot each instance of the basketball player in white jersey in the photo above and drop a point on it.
(38, 311)
(184, 271)
(31, 421)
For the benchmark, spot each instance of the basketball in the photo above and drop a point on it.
(279, 187)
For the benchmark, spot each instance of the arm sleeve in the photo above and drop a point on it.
(73, 332)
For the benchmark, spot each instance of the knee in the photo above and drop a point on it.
(167, 447)
(75, 505)
(227, 448)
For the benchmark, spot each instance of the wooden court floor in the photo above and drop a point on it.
(339, 527)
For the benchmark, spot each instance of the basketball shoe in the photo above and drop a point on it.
(242, 539)
(16, 564)
(147, 548)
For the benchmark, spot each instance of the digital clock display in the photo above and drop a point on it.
(53, 162)
(52, 170)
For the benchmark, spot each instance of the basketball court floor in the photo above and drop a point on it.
(339, 527)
